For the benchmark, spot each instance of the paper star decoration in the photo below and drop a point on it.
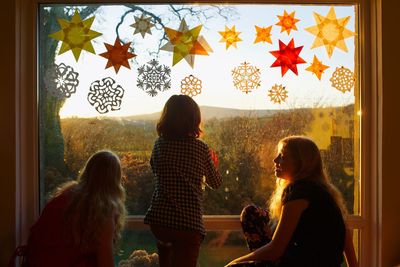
(330, 31)
(278, 93)
(287, 22)
(317, 67)
(287, 57)
(246, 77)
(117, 55)
(142, 25)
(75, 35)
(185, 43)
(343, 79)
(230, 36)
(191, 86)
(263, 34)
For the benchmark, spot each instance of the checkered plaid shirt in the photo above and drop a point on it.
(181, 167)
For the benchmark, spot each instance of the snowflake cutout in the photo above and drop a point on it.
(246, 77)
(62, 80)
(105, 95)
(191, 86)
(343, 79)
(153, 77)
(278, 93)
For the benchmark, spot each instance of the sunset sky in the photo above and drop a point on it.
(304, 90)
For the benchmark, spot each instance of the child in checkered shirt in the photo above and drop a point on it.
(182, 164)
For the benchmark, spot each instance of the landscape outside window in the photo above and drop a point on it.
(234, 76)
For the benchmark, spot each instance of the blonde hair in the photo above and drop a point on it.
(95, 197)
(308, 157)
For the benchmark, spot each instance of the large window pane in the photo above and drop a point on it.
(242, 127)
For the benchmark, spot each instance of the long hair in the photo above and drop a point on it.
(180, 117)
(308, 157)
(95, 197)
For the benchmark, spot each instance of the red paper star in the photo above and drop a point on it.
(117, 55)
(287, 57)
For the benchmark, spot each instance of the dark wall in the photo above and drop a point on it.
(391, 132)
(7, 131)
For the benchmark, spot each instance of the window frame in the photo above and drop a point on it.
(369, 69)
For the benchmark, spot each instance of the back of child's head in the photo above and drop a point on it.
(98, 195)
(180, 118)
(102, 174)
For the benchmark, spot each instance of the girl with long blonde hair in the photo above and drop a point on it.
(308, 211)
(83, 221)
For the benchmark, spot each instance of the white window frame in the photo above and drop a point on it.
(369, 51)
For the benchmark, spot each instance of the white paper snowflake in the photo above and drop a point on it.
(191, 86)
(246, 77)
(278, 93)
(343, 79)
(61, 80)
(154, 77)
(105, 95)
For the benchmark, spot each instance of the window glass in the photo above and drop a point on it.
(259, 72)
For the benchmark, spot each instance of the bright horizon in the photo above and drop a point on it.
(305, 90)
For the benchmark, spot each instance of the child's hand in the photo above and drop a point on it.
(214, 158)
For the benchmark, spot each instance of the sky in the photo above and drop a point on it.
(304, 89)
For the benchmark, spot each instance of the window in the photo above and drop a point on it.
(236, 122)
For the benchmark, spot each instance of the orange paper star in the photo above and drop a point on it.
(230, 36)
(185, 43)
(317, 67)
(287, 22)
(330, 31)
(263, 34)
(117, 55)
(287, 57)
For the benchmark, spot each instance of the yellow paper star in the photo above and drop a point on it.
(287, 22)
(75, 35)
(142, 25)
(230, 36)
(263, 34)
(330, 31)
(185, 43)
(317, 67)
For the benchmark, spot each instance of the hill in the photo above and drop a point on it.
(209, 112)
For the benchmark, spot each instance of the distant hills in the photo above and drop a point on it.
(208, 112)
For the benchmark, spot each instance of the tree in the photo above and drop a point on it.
(53, 170)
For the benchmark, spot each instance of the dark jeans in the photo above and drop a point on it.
(177, 248)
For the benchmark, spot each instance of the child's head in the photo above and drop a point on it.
(102, 174)
(180, 118)
(98, 196)
(298, 157)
